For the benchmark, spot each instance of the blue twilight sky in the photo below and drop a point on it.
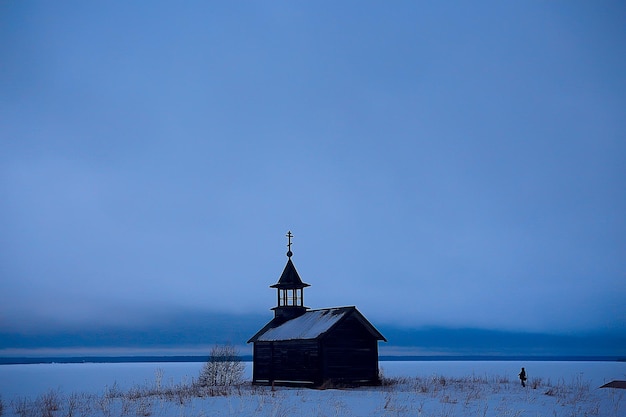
(456, 164)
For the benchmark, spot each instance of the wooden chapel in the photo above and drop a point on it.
(300, 346)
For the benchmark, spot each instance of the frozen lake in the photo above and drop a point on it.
(34, 380)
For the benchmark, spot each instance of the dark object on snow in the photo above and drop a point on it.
(615, 384)
(331, 346)
(522, 377)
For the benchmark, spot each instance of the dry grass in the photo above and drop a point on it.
(429, 396)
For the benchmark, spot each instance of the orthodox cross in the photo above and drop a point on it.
(289, 236)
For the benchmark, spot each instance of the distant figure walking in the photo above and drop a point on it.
(522, 377)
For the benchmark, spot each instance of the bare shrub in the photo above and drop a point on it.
(113, 391)
(473, 393)
(502, 379)
(126, 406)
(144, 408)
(421, 386)
(570, 394)
(72, 404)
(22, 407)
(80, 405)
(557, 390)
(580, 389)
(158, 378)
(181, 393)
(224, 368)
(535, 383)
(104, 405)
(138, 391)
(392, 381)
(616, 399)
(479, 379)
(49, 403)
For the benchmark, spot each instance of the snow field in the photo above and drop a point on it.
(410, 389)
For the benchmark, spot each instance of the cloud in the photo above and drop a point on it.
(465, 173)
(193, 332)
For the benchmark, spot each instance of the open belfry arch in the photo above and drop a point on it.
(312, 347)
(290, 289)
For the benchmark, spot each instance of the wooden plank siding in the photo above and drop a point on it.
(287, 361)
(326, 346)
(350, 354)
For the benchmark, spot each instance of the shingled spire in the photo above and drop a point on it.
(290, 290)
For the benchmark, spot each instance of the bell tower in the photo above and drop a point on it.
(290, 290)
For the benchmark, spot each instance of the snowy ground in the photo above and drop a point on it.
(473, 388)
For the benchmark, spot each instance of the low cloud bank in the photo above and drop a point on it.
(192, 333)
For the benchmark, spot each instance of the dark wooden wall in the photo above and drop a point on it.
(350, 354)
(347, 354)
(289, 360)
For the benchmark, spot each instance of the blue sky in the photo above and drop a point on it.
(459, 164)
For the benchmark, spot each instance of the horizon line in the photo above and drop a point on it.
(34, 360)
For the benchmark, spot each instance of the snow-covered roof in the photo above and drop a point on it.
(310, 325)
